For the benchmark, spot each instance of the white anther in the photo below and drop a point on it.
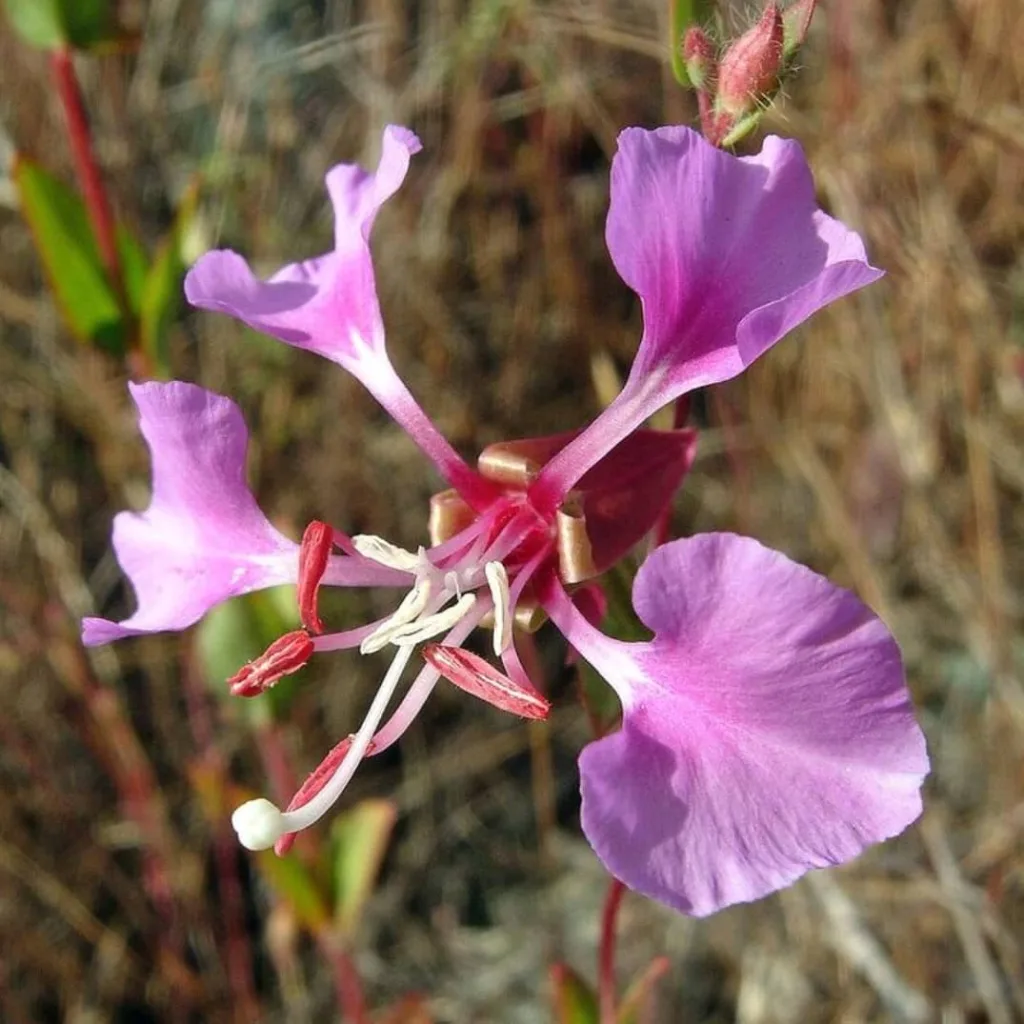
(497, 582)
(410, 609)
(432, 625)
(259, 824)
(380, 550)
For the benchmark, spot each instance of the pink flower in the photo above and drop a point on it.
(767, 728)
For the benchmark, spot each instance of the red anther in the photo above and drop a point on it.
(287, 654)
(315, 781)
(471, 673)
(314, 553)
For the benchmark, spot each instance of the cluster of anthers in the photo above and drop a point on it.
(476, 573)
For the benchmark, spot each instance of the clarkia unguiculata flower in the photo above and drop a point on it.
(767, 728)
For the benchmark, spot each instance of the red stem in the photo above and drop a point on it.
(238, 957)
(97, 205)
(606, 954)
(346, 980)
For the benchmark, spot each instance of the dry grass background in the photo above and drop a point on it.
(881, 444)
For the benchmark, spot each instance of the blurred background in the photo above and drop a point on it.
(881, 444)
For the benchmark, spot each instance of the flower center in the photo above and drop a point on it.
(480, 571)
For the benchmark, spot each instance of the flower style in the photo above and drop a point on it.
(767, 729)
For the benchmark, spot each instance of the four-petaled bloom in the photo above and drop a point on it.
(767, 728)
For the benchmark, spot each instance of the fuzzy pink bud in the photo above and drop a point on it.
(699, 56)
(750, 67)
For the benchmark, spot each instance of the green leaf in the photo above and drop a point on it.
(683, 14)
(293, 883)
(635, 1006)
(60, 228)
(51, 24)
(575, 1001)
(238, 631)
(161, 290)
(359, 838)
(39, 22)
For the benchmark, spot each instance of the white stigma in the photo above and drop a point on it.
(497, 582)
(259, 824)
(385, 553)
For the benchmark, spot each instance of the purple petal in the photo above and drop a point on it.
(767, 728)
(327, 304)
(727, 254)
(203, 538)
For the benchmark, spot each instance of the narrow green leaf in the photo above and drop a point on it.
(683, 14)
(238, 631)
(64, 240)
(293, 883)
(359, 840)
(575, 1001)
(39, 22)
(161, 291)
(636, 1004)
(82, 24)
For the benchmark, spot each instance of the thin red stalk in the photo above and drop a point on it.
(94, 193)
(238, 955)
(347, 985)
(117, 745)
(606, 955)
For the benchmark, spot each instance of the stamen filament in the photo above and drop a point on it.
(422, 687)
(303, 817)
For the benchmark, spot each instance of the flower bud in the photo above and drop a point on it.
(750, 67)
(699, 57)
